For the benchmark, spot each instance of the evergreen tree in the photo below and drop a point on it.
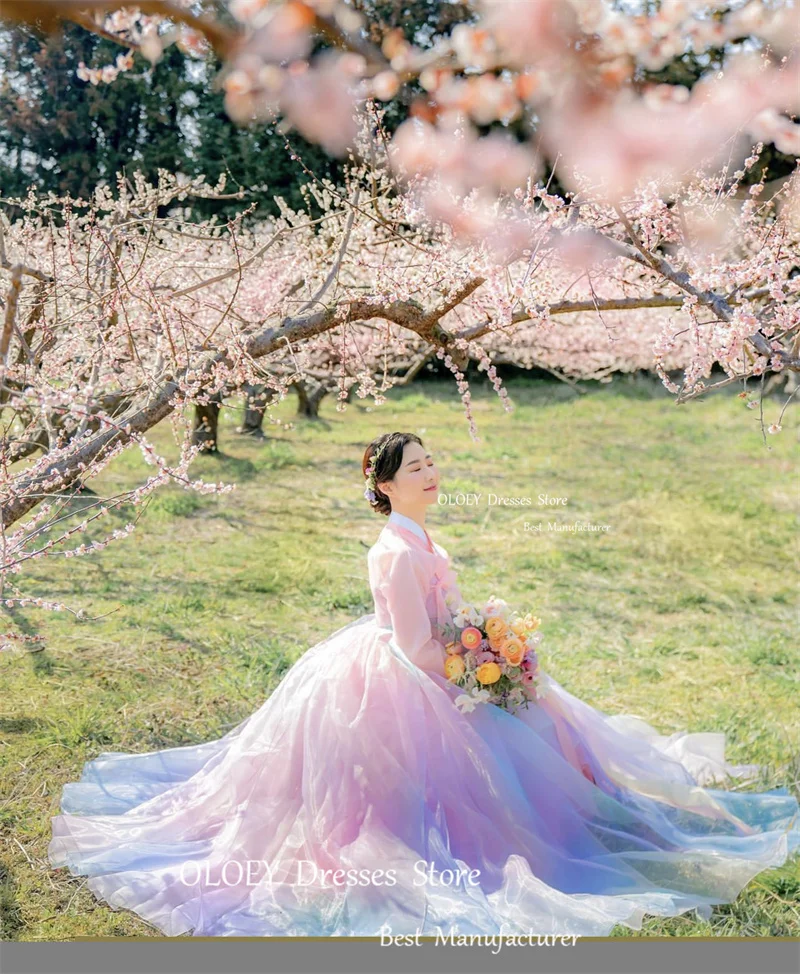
(66, 135)
(255, 158)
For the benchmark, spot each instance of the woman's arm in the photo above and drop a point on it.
(411, 625)
(406, 603)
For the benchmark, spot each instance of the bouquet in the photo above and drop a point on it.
(492, 655)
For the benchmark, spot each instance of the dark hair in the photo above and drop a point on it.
(388, 464)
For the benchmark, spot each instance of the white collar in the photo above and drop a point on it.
(407, 522)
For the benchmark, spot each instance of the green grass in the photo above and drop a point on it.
(685, 612)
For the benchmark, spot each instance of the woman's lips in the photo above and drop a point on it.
(431, 488)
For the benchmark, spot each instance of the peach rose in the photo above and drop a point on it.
(488, 673)
(454, 667)
(512, 645)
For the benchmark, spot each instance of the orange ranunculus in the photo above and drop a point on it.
(488, 673)
(513, 650)
(454, 667)
(471, 637)
(512, 645)
(495, 627)
(496, 645)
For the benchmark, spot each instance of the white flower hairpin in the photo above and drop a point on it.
(369, 484)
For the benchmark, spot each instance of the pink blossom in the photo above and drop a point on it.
(321, 105)
(530, 32)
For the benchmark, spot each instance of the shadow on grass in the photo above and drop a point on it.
(10, 911)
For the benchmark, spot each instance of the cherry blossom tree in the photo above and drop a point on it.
(118, 316)
(571, 72)
(120, 312)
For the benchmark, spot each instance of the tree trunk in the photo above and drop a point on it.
(256, 398)
(309, 395)
(784, 382)
(206, 422)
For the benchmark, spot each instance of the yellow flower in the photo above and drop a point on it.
(518, 626)
(532, 622)
(488, 673)
(495, 627)
(454, 667)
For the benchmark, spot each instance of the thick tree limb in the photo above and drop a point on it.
(49, 13)
(636, 252)
(29, 490)
(12, 301)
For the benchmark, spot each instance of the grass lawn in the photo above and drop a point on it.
(685, 612)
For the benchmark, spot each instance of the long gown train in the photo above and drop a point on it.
(360, 762)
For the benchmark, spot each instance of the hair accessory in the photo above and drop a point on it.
(369, 488)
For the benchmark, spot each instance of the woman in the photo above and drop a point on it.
(360, 798)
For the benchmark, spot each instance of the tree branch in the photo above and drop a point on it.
(29, 490)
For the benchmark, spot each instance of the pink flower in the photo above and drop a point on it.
(320, 104)
(487, 656)
(529, 678)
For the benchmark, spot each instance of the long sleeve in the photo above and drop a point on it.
(405, 601)
(450, 589)
(404, 594)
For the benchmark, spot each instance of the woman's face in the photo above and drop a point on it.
(416, 482)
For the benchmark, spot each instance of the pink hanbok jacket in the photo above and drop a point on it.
(412, 586)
